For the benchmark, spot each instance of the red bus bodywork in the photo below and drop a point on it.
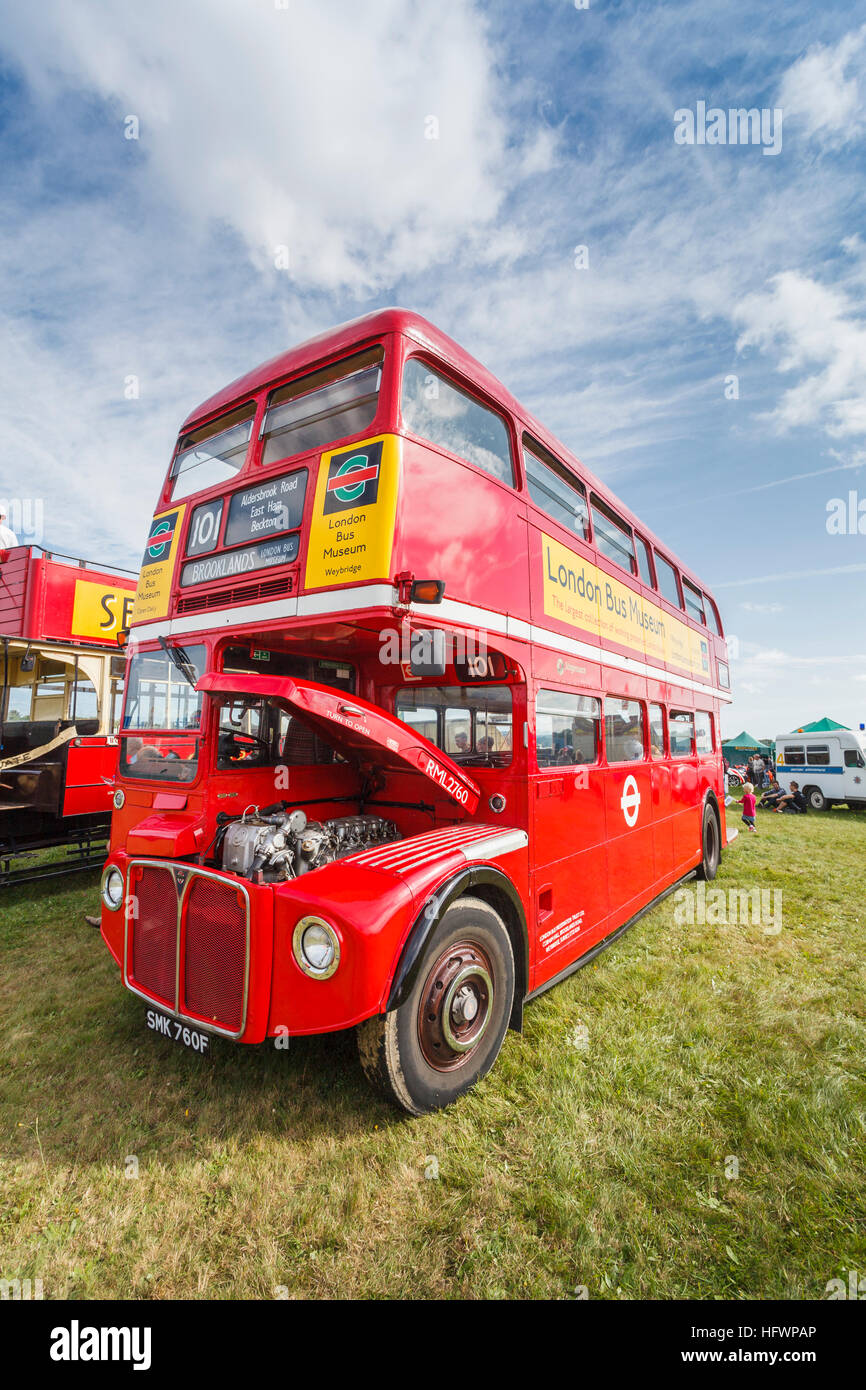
(566, 854)
(61, 673)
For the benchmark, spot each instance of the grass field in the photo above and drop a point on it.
(597, 1153)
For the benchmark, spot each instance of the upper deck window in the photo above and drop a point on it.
(667, 577)
(213, 453)
(553, 489)
(323, 406)
(644, 564)
(612, 537)
(712, 613)
(694, 602)
(438, 411)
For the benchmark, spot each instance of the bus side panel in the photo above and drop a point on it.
(569, 880)
(443, 502)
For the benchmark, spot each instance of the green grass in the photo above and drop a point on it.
(601, 1166)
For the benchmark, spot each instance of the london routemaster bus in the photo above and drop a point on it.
(61, 686)
(418, 719)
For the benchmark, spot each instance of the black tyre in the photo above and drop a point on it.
(816, 799)
(448, 1031)
(711, 844)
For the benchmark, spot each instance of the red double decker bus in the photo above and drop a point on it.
(61, 686)
(419, 717)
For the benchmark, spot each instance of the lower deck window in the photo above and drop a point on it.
(624, 732)
(473, 724)
(254, 733)
(681, 727)
(566, 728)
(657, 731)
(703, 733)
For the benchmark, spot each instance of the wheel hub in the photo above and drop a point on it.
(455, 1006)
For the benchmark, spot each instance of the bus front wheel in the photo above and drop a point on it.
(448, 1031)
(711, 844)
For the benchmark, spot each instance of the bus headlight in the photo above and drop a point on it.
(112, 888)
(316, 947)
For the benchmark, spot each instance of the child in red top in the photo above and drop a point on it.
(749, 805)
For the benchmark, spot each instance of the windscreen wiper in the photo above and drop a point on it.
(179, 658)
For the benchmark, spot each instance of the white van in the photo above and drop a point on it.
(829, 767)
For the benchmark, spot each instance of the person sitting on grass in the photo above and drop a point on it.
(793, 803)
(748, 805)
(771, 796)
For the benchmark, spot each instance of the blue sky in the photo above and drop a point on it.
(305, 125)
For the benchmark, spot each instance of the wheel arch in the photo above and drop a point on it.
(494, 887)
(710, 799)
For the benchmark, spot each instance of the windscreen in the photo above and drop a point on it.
(162, 715)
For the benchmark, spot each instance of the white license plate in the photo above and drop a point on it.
(177, 1031)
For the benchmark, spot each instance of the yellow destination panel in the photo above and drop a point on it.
(355, 507)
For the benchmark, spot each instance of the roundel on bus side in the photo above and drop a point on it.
(630, 800)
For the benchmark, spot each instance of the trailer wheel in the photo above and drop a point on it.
(448, 1031)
(816, 799)
(711, 844)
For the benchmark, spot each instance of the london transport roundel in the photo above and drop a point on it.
(630, 800)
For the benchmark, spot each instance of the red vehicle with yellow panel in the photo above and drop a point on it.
(418, 719)
(61, 686)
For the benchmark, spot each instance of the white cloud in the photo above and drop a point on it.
(762, 607)
(303, 126)
(820, 332)
(823, 88)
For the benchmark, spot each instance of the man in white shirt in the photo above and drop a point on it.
(8, 538)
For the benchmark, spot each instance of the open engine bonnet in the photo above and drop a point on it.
(279, 842)
(364, 734)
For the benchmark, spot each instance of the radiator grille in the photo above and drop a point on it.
(214, 958)
(214, 943)
(240, 593)
(154, 931)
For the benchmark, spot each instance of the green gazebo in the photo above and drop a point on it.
(820, 726)
(741, 748)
